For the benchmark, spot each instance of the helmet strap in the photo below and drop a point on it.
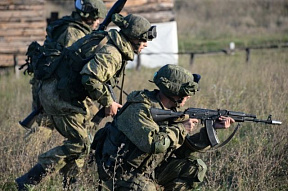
(134, 45)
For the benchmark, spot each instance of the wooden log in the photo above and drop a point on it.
(133, 3)
(21, 14)
(22, 2)
(12, 49)
(16, 47)
(23, 25)
(22, 19)
(128, 3)
(23, 39)
(21, 7)
(22, 32)
(21, 22)
(151, 8)
(7, 60)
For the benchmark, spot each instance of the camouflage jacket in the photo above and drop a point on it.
(134, 140)
(60, 33)
(67, 30)
(106, 66)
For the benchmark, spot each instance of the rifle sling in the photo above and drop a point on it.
(122, 85)
(227, 140)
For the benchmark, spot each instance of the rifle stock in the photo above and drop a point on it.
(30, 119)
(101, 113)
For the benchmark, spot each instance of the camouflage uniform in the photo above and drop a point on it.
(106, 66)
(71, 121)
(69, 112)
(130, 159)
(61, 33)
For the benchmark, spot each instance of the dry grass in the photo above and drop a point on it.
(211, 24)
(256, 159)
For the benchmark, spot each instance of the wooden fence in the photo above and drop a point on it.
(247, 50)
(20, 23)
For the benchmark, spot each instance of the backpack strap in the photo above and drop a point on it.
(77, 56)
(102, 43)
(122, 83)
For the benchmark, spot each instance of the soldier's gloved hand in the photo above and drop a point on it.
(223, 122)
(112, 109)
(190, 124)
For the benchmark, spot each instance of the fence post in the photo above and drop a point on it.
(138, 62)
(16, 67)
(247, 54)
(191, 58)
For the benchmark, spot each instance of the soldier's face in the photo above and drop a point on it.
(143, 44)
(93, 23)
(185, 99)
(139, 45)
(179, 99)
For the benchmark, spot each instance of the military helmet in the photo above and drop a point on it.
(91, 8)
(174, 80)
(135, 27)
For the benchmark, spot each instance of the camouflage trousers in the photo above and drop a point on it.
(73, 123)
(45, 124)
(175, 174)
(71, 154)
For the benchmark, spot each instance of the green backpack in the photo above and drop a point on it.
(64, 64)
(41, 61)
(73, 60)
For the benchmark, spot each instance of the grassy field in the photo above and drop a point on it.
(255, 159)
(212, 24)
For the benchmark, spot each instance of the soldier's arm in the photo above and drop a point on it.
(198, 142)
(147, 135)
(96, 73)
(97, 91)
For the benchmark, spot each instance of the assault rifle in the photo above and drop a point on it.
(208, 118)
(101, 113)
(116, 8)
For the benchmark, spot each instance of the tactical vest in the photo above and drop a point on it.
(119, 148)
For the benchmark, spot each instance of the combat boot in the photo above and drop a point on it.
(69, 173)
(33, 177)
